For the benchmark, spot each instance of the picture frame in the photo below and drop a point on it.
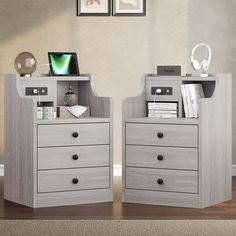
(93, 7)
(129, 8)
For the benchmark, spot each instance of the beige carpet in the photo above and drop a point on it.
(121, 228)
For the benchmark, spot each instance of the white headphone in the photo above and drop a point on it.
(204, 65)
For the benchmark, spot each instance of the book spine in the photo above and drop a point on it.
(189, 102)
(162, 112)
(162, 106)
(163, 115)
(196, 93)
(184, 95)
(193, 99)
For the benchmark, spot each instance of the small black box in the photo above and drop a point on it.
(169, 70)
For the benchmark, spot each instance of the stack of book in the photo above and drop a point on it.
(191, 94)
(162, 110)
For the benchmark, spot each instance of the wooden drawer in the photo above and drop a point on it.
(73, 134)
(162, 157)
(173, 180)
(73, 157)
(172, 135)
(62, 180)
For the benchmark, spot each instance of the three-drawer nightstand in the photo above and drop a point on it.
(56, 162)
(162, 157)
(178, 161)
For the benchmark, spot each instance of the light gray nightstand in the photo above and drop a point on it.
(178, 162)
(56, 162)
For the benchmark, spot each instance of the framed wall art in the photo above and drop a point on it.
(93, 8)
(129, 8)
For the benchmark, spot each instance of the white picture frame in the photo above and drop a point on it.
(129, 8)
(93, 7)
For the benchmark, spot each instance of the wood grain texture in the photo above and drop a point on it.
(155, 82)
(135, 107)
(20, 145)
(50, 97)
(62, 135)
(100, 106)
(62, 157)
(111, 148)
(132, 107)
(161, 198)
(173, 135)
(153, 120)
(24, 133)
(117, 210)
(173, 180)
(212, 138)
(176, 91)
(74, 198)
(173, 158)
(74, 121)
(61, 180)
(216, 144)
(82, 77)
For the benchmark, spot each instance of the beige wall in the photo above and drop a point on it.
(117, 50)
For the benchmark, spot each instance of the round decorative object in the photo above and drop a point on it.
(25, 63)
(70, 99)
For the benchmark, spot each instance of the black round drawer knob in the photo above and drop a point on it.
(160, 158)
(75, 157)
(75, 135)
(160, 181)
(75, 181)
(160, 135)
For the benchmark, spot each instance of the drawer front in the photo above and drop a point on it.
(73, 134)
(162, 135)
(73, 157)
(162, 180)
(162, 157)
(62, 180)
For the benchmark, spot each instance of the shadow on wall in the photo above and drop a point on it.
(29, 13)
(216, 25)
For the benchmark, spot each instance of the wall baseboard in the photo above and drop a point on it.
(233, 170)
(117, 170)
(1, 170)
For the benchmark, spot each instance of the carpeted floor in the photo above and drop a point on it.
(121, 228)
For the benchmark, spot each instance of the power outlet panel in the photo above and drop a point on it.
(35, 91)
(161, 90)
